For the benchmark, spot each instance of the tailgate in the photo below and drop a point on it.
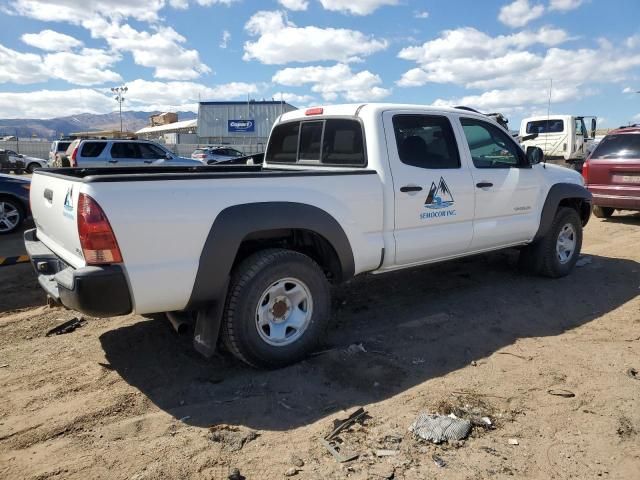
(620, 172)
(53, 206)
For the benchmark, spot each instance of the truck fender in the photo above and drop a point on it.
(558, 193)
(235, 223)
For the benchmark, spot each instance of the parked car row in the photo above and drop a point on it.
(18, 163)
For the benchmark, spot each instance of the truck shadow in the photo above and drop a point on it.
(415, 325)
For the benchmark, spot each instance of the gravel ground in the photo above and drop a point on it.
(550, 362)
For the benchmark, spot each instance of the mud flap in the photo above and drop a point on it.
(208, 321)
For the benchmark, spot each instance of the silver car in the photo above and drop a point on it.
(211, 155)
(89, 153)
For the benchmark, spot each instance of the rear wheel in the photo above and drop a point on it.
(277, 308)
(602, 212)
(11, 215)
(557, 252)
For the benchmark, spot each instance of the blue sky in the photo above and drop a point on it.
(59, 57)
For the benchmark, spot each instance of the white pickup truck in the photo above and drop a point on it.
(249, 252)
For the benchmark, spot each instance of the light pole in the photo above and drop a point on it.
(119, 91)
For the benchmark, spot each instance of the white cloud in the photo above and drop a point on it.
(633, 41)
(154, 95)
(564, 5)
(226, 36)
(335, 81)
(507, 74)
(280, 41)
(294, 98)
(298, 5)
(519, 13)
(356, 7)
(421, 14)
(51, 41)
(160, 50)
(629, 90)
(76, 11)
(20, 67)
(142, 95)
(88, 67)
(53, 103)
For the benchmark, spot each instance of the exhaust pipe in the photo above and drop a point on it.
(179, 321)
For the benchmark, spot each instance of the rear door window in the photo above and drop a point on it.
(62, 146)
(124, 150)
(92, 149)
(624, 145)
(426, 141)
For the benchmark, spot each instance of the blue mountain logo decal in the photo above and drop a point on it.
(439, 195)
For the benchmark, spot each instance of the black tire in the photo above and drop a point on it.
(32, 166)
(602, 212)
(249, 282)
(542, 258)
(18, 171)
(18, 207)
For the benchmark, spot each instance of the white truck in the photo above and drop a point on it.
(249, 252)
(561, 137)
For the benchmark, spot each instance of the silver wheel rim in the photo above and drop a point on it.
(284, 312)
(566, 244)
(9, 216)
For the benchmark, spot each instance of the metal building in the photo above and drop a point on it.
(238, 123)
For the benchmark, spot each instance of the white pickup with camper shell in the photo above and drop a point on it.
(249, 252)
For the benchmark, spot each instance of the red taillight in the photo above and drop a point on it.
(314, 111)
(74, 154)
(585, 172)
(97, 240)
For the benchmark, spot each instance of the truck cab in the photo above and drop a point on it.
(561, 137)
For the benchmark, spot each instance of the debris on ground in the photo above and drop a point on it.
(232, 439)
(582, 261)
(561, 393)
(633, 373)
(440, 428)
(513, 441)
(291, 472)
(383, 452)
(297, 462)
(67, 327)
(334, 444)
(355, 348)
(438, 461)
(235, 475)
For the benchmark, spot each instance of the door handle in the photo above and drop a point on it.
(148, 161)
(112, 161)
(484, 184)
(410, 188)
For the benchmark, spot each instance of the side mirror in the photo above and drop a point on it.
(593, 127)
(168, 156)
(535, 155)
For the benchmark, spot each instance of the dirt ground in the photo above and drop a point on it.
(550, 362)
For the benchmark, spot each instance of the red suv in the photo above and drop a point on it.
(612, 172)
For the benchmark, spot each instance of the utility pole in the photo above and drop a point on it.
(119, 91)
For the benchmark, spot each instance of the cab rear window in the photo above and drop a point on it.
(553, 125)
(334, 141)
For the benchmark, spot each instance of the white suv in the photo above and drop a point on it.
(122, 153)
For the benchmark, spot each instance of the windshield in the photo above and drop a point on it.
(625, 145)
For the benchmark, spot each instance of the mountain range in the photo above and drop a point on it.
(55, 127)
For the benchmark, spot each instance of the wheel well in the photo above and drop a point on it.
(307, 242)
(579, 205)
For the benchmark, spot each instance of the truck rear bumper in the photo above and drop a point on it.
(95, 291)
(623, 202)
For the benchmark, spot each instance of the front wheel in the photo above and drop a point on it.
(602, 212)
(277, 308)
(557, 252)
(11, 216)
(32, 167)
